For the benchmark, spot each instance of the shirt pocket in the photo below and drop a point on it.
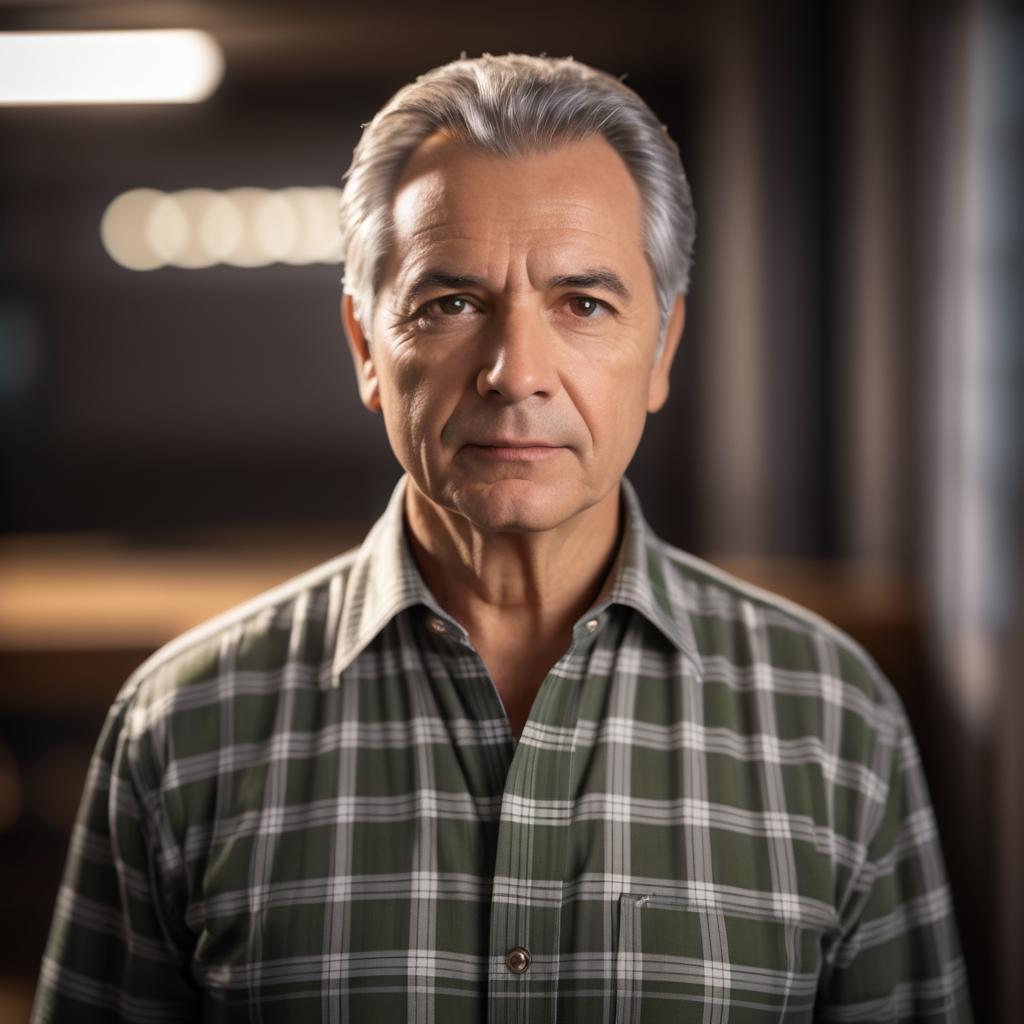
(676, 960)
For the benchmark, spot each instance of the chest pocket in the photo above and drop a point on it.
(679, 961)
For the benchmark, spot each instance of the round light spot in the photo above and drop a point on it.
(202, 245)
(247, 250)
(316, 215)
(220, 227)
(167, 230)
(275, 228)
(122, 229)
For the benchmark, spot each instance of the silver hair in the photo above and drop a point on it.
(514, 105)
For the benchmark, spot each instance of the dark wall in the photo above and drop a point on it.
(158, 404)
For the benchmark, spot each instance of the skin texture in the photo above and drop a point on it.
(512, 355)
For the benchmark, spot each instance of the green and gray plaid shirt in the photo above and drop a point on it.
(313, 809)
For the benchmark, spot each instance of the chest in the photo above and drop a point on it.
(628, 859)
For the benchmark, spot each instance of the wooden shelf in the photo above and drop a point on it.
(78, 613)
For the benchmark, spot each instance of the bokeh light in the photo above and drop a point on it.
(145, 229)
(151, 66)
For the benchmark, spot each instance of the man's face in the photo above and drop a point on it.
(512, 346)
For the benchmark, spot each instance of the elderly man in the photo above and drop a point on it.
(514, 759)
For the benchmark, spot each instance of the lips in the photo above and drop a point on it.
(512, 450)
(508, 442)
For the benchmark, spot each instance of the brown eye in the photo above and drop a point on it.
(452, 305)
(584, 305)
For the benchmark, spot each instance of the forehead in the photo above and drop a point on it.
(577, 196)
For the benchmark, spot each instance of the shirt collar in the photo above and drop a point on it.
(384, 580)
(646, 579)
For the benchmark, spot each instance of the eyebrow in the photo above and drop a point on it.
(596, 277)
(430, 279)
(599, 277)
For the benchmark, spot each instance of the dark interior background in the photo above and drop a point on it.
(181, 438)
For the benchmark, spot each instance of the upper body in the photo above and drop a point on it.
(315, 808)
(319, 805)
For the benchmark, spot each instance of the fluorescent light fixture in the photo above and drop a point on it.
(145, 229)
(159, 66)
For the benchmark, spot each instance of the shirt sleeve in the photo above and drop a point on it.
(115, 951)
(899, 958)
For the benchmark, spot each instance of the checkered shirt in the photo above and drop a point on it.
(313, 808)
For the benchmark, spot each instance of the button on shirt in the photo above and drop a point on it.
(313, 808)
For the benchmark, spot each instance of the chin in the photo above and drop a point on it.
(517, 506)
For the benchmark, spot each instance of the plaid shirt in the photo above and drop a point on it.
(313, 808)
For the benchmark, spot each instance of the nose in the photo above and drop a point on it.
(519, 358)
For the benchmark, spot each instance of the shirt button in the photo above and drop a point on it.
(592, 625)
(438, 626)
(517, 959)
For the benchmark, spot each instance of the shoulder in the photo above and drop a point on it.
(759, 640)
(245, 649)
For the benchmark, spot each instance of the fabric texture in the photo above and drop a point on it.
(313, 808)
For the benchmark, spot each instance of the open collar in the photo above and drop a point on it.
(384, 581)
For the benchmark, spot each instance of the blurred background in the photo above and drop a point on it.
(179, 426)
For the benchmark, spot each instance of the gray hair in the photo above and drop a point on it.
(515, 105)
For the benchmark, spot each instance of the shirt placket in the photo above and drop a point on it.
(532, 845)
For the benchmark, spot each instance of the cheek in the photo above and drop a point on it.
(415, 407)
(612, 400)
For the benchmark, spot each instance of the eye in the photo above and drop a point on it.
(450, 305)
(586, 306)
(446, 312)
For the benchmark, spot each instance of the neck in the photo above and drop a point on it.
(496, 582)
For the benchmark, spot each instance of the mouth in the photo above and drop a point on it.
(504, 450)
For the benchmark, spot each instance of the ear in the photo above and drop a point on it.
(359, 345)
(657, 390)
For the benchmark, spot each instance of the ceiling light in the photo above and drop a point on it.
(160, 66)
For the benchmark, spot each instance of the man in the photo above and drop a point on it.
(514, 759)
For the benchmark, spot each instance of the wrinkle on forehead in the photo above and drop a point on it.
(574, 204)
(440, 166)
